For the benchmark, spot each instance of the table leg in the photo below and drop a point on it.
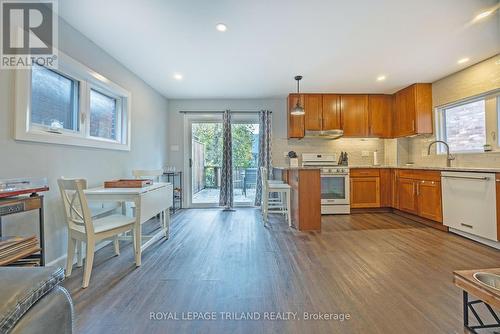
(138, 232)
(42, 233)
(466, 308)
(166, 214)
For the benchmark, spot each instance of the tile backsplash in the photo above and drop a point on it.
(354, 147)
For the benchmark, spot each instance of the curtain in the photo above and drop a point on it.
(264, 151)
(226, 187)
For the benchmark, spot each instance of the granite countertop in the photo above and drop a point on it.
(444, 168)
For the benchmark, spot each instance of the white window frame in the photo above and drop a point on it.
(492, 119)
(87, 79)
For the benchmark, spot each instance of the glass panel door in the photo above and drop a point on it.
(206, 162)
(245, 138)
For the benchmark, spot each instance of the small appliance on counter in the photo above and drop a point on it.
(294, 160)
(334, 175)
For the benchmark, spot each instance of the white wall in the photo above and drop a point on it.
(26, 159)
(477, 79)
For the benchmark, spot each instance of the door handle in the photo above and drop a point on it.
(190, 163)
(483, 178)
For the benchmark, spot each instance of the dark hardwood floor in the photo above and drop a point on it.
(389, 274)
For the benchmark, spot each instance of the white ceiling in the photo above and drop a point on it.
(337, 45)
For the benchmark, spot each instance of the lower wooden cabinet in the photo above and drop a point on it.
(365, 192)
(429, 200)
(419, 193)
(413, 191)
(407, 195)
(365, 188)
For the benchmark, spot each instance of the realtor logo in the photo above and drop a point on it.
(29, 33)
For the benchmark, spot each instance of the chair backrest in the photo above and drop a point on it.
(75, 203)
(142, 173)
(264, 179)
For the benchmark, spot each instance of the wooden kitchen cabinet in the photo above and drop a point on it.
(429, 200)
(305, 198)
(407, 195)
(331, 112)
(364, 188)
(313, 107)
(295, 123)
(354, 115)
(386, 190)
(413, 110)
(380, 115)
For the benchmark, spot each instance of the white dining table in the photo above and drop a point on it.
(149, 202)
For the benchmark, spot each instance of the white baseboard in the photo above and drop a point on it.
(491, 243)
(61, 261)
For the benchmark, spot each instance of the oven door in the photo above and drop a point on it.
(334, 189)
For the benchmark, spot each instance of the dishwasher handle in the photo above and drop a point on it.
(483, 178)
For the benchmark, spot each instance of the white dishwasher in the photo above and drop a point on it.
(469, 203)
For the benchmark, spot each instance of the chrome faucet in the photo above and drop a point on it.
(449, 157)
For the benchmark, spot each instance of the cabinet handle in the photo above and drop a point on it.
(413, 126)
(466, 225)
(418, 189)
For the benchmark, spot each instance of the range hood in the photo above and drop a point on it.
(324, 134)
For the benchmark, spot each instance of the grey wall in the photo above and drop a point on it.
(26, 159)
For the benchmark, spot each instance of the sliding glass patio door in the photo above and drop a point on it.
(205, 161)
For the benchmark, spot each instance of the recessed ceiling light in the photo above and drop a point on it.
(462, 61)
(221, 27)
(178, 76)
(483, 15)
(381, 78)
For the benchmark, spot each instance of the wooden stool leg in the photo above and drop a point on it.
(288, 208)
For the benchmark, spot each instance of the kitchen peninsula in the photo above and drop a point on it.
(305, 195)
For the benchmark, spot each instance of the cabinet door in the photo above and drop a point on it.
(407, 195)
(354, 115)
(405, 112)
(429, 200)
(380, 115)
(331, 112)
(385, 188)
(295, 123)
(313, 106)
(365, 192)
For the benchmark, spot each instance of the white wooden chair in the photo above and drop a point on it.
(82, 227)
(283, 202)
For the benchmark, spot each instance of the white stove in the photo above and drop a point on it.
(334, 182)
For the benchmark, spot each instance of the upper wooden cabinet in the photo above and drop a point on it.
(354, 115)
(408, 112)
(295, 123)
(380, 115)
(331, 112)
(413, 110)
(313, 107)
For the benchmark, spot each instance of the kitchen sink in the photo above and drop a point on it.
(488, 279)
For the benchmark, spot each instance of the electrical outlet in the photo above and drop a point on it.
(365, 153)
(424, 152)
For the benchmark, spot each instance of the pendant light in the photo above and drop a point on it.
(298, 110)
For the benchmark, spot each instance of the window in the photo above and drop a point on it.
(72, 105)
(469, 125)
(103, 115)
(54, 99)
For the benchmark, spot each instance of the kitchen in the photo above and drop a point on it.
(262, 167)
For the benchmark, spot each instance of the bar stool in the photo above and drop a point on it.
(281, 204)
